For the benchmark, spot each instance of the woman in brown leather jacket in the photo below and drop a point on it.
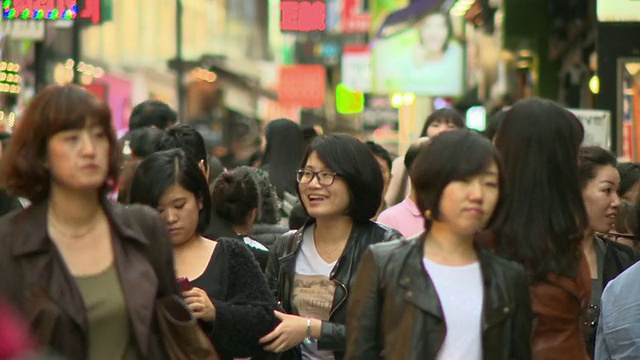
(544, 221)
(76, 266)
(312, 270)
(437, 296)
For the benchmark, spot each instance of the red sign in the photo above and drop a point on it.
(302, 85)
(353, 19)
(303, 15)
(99, 90)
(51, 10)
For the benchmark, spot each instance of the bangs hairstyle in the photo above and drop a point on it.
(451, 156)
(160, 171)
(544, 217)
(447, 116)
(352, 160)
(56, 108)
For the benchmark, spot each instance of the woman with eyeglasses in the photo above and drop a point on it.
(311, 270)
(599, 182)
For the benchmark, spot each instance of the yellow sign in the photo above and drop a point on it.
(618, 10)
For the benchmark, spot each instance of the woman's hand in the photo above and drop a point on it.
(199, 303)
(291, 332)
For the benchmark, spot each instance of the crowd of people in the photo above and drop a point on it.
(515, 244)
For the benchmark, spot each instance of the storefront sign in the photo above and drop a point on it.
(51, 10)
(23, 29)
(618, 10)
(354, 20)
(302, 85)
(597, 126)
(303, 15)
(356, 67)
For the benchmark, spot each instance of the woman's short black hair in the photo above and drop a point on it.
(352, 161)
(159, 171)
(629, 176)
(451, 156)
(235, 194)
(450, 116)
(590, 159)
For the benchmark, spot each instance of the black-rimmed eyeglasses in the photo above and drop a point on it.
(325, 177)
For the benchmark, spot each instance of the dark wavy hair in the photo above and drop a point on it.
(355, 163)
(235, 195)
(544, 218)
(54, 109)
(590, 159)
(629, 176)
(159, 171)
(452, 156)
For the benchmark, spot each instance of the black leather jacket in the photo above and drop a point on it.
(281, 271)
(395, 312)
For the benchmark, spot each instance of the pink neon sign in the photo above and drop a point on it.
(50, 10)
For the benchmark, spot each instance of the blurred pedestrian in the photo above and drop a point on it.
(439, 121)
(406, 216)
(400, 311)
(226, 290)
(283, 152)
(599, 182)
(79, 268)
(619, 323)
(544, 221)
(152, 113)
(312, 270)
(236, 200)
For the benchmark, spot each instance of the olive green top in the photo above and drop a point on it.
(110, 335)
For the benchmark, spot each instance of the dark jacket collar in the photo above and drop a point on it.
(420, 291)
(34, 238)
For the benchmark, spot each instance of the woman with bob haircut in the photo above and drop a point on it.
(437, 296)
(544, 221)
(599, 182)
(312, 270)
(77, 266)
(224, 288)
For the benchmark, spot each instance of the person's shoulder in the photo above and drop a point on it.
(382, 232)
(627, 280)
(498, 262)
(389, 216)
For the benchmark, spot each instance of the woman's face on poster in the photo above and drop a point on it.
(434, 32)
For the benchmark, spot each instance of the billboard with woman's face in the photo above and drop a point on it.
(415, 50)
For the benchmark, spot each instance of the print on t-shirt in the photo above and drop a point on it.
(313, 296)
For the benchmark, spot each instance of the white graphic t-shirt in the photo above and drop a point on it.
(312, 291)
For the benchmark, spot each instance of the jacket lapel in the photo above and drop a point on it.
(42, 264)
(497, 304)
(418, 288)
(138, 279)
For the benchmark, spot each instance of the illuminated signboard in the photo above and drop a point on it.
(51, 10)
(303, 15)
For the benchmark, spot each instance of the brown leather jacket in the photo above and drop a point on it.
(395, 312)
(558, 304)
(35, 280)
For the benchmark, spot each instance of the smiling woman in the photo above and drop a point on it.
(312, 270)
(599, 182)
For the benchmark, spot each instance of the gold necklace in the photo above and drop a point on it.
(58, 227)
